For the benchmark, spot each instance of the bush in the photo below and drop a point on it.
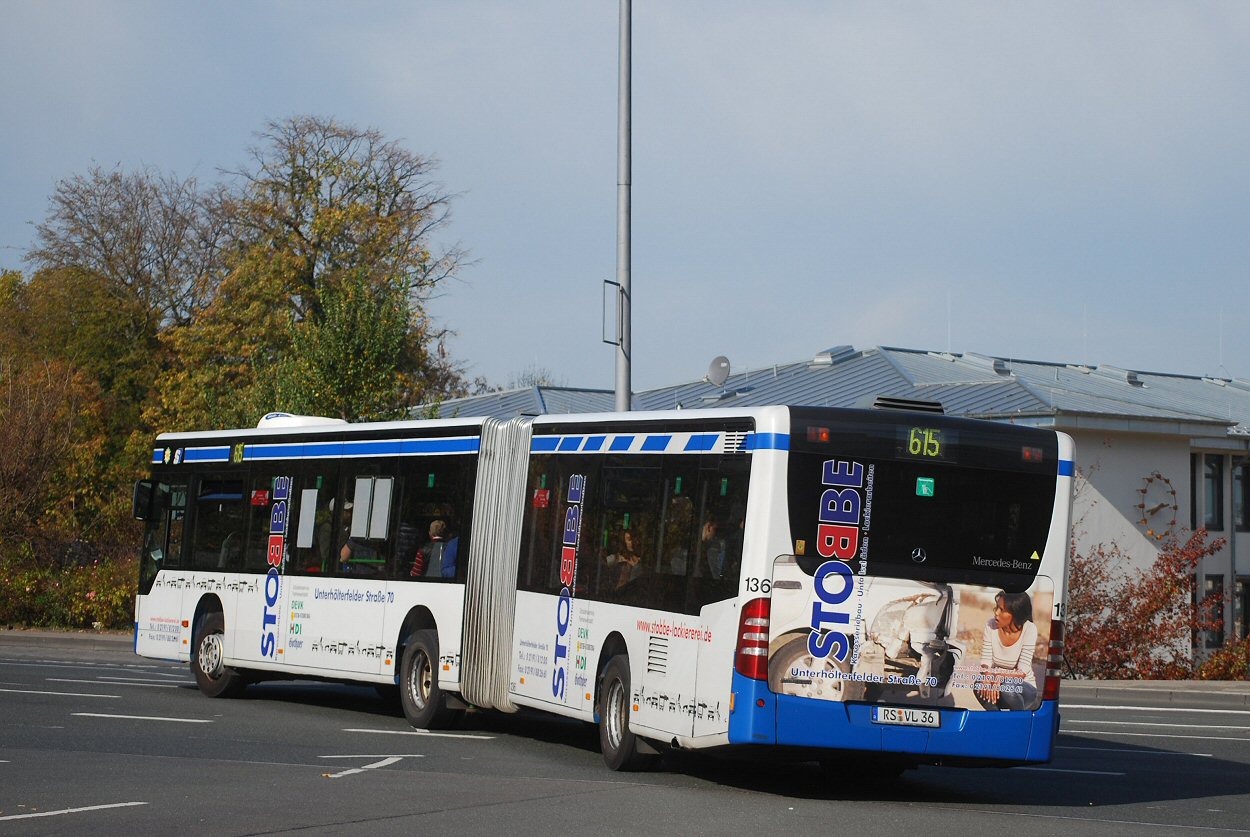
(36, 594)
(1232, 662)
(1126, 624)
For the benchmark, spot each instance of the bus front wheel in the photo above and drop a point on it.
(619, 745)
(425, 705)
(212, 675)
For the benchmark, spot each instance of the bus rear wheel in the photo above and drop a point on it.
(425, 705)
(620, 746)
(212, 675)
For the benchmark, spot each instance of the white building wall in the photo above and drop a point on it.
(1108, 508)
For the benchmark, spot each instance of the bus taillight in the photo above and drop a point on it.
(752, 657)
(1054, 662)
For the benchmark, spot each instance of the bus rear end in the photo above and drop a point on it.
(918, 614)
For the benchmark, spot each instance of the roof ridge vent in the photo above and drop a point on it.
(1080, 367)
(944, 356)
(1219, 382)
(995, 364)
(837, 354)
(1128, 376)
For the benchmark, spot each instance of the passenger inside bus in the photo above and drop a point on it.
(355, 556)
(428, 562)
(625, 562)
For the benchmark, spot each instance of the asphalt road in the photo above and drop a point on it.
(95, 740)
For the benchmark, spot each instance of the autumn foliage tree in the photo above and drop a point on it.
(298, 282)
(1131, 623)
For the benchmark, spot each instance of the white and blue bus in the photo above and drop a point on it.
(882, 582)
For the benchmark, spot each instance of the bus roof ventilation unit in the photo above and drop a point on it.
(289, 420)
(888, 402)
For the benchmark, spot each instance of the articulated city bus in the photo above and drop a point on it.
(888, 583)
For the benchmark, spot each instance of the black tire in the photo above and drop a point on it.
(619, 745)
(212, 675)
(425, 705)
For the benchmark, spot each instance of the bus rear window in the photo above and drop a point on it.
(952, 500)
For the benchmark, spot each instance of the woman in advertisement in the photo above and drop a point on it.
(1006, 680)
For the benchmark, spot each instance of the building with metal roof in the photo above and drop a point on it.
(1157, 454)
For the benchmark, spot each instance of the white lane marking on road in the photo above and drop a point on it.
(152, 685)
(59, 694)
(71, 811)
(421, 732)
(1159, 735)
(1134, 752)
(1158, 709)
(1067, 770)
(378, 756)
(1151, 724)
(148, 679)
(141, 718)
(386, 762)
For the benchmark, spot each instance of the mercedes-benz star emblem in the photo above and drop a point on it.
(918, 555)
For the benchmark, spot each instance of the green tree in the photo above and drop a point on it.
(322, 308)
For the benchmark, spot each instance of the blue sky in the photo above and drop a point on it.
(1052, 181)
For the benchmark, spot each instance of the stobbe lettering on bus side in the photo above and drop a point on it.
(275, 556)
(568, 582)
(837, 538)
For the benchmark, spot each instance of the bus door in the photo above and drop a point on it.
(337, 612)
(158, 609)
(721, 529)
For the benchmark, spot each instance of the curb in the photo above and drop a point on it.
(91, 640)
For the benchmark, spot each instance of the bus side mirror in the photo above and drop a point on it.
(141, 506)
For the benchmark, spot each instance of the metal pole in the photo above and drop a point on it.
(623, 352)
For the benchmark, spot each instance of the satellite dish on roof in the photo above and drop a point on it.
(718, 371)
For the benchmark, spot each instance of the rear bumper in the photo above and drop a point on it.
(761, 717)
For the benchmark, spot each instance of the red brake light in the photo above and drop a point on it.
(752, 657)
(1031, 454)
(1054, 662)
(818, 434)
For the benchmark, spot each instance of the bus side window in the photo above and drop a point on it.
(722, 517)
(162, 538)
(313, 524)
(433, 509)
(219, 523)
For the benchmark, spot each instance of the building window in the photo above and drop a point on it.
(1213, 492)
(1193, 490)
(1241, 513)
(1213, 602)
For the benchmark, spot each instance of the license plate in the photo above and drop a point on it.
(906, 716)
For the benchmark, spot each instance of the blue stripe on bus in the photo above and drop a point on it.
(544, 444)
(206, 455)
(1066, 467)
(621, 443)
(702, 441)
(655, 444)
(377, 447)
(571, 443)
(766, 441)
(595, 443)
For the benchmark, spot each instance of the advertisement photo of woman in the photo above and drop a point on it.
(1006, 680)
